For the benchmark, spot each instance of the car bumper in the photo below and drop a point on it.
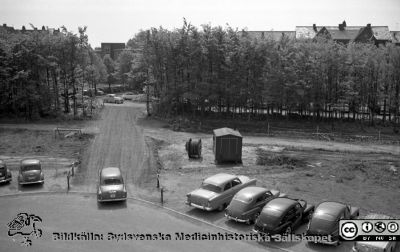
(199, 206)
(237, 219)
(110, 200)
(31, 182)
(4, 180)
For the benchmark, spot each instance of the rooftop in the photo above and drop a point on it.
(226, 131)
(111, 172)
(219, 179)
(30, 161)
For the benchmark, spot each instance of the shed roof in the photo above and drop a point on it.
(226, 131)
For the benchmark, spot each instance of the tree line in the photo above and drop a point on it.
(197, 71)
(44, 73)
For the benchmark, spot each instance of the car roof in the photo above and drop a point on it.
(219, 179)
(251, 192)
(110, 172)
(330, 209)
(30, 161)
(280, 204)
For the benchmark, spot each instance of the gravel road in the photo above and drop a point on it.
(119, 143)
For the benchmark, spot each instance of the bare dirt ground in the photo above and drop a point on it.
(363, 175)
(18, 142)
(120, 143)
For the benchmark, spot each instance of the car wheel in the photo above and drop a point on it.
(288, 230)
(221, 207)
(309, 216)
(255, 218)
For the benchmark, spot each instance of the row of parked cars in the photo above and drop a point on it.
(272, 212)
(111, 186)
(30, 172)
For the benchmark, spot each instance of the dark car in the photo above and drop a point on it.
(5, 174)
(111, 185)
(247, 204)
(325, 220)
(282, 216)
(30, 172)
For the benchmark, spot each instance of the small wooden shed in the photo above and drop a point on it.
(227, 145)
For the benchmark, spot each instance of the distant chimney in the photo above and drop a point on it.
(369, 25)
(4, 25)
(23, 28)
(43, 28)
(314, 26)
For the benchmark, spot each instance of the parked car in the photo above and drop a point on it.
(282, 216)
(5, 173)
(111, 185)
(247, 204)
(91, 93)
(378, 246)
(326, 217)
(112, 98)
(217, 191)
(128, 96)
(30, 172)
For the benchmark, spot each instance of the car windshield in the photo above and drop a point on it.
(30, 168)
(322, 224)
(112, 181)
(211, 187)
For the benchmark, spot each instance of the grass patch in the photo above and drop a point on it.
(267, 158)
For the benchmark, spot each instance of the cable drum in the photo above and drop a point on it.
(193, 148)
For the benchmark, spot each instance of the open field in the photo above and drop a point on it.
(361, 174)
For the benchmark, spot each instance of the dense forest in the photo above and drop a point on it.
(43, 72)
(195, 72)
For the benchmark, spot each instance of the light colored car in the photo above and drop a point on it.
(381, 246)
(128, 96)
(247, 204)
(216, 192)
(112, 98)
(5, 173)
(30, 172)
(111, 185)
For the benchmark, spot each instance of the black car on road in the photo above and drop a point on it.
(282, 216)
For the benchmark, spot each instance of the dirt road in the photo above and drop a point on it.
(119, 143)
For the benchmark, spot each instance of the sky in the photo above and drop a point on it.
(120, 20)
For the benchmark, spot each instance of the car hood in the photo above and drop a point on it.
(107, 188)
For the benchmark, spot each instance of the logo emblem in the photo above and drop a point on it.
(392, 227)
(380, 226)
(24, 225)
(367, 227)
(348, 230)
